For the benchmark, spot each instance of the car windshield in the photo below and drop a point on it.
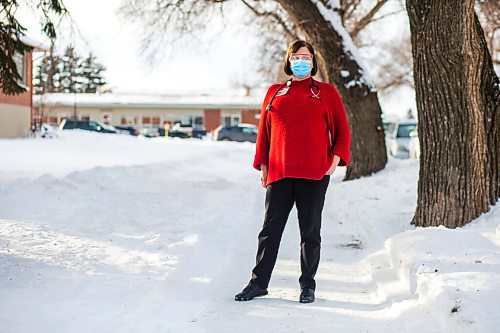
(247, 130)
(404, 130)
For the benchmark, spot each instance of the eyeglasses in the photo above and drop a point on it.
(299, 56)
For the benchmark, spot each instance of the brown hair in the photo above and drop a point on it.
(293, 48)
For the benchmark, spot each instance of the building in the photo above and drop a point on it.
(143, 111)
(16, 111)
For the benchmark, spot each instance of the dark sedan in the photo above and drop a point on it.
(241, 133)
(88, 125)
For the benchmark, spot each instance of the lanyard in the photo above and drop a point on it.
(288, 83)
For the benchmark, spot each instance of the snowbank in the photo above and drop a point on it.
(110, 233)
(455, 273)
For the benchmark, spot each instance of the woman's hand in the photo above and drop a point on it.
(336, 160)
(263, 175)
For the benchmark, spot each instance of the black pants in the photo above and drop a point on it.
(309, 196)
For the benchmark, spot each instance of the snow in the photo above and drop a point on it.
(326, 8)
(37, 44)
(344, 73)
(102, 233)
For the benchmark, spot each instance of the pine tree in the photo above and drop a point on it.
(40, 79)
(69, 73)
(47, 79)
(92, 74)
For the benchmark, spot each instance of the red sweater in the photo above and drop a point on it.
(294, 140)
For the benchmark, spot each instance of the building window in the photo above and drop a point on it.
(150, 121)
(129, 120)
(232, 120)
(184, 120)
(106, 118)
(198, 120)
(20, 60)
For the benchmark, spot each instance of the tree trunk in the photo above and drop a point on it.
(457, 94)
(368, 153)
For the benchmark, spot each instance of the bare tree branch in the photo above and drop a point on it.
(165, 22)
(381, 17)
(364, 21)
(395, 66)
(274, 16)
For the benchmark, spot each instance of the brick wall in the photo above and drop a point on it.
(212, 119)
(248, 116)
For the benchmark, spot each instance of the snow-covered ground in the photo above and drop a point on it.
(110, 233)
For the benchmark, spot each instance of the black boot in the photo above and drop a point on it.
(306, 295)
(251, 290)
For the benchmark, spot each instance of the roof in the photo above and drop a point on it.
(150, 101)
(38, 45)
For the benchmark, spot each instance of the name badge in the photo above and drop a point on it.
(282, 91)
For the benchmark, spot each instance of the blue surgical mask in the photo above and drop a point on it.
(300, 68)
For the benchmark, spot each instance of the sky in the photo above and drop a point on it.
(184, 67)
(223, 59)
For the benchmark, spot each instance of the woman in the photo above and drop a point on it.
(303, 135)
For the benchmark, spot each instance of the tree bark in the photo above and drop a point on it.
(458, 98)
(368, 152)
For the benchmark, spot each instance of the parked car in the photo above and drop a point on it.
(414, 144)
(180, 131)
(399, 139)
(187, 131)
(198, 131)
(130, 129)
(150, 132)
(241, 133)
(88, 125)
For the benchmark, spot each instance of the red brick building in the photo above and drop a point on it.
(143, 111)
(16, 111)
